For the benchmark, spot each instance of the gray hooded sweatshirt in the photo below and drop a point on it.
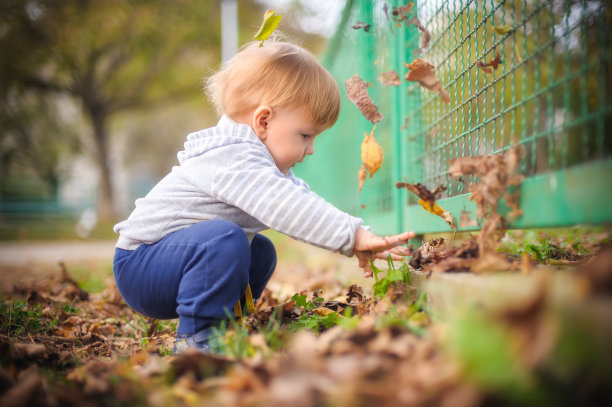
(226, 172)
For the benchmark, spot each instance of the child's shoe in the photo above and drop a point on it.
(207, 341)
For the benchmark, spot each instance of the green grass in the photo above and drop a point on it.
(382, 284)
(48, 227)
(543, 245)
(235, 341)
(19, 318)
(93, 277)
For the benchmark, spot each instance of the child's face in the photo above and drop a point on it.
(289, 136)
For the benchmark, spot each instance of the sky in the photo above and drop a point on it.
(323, 16)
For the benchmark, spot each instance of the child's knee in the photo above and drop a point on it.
(264, 249)
(233, 237)
(219, 231)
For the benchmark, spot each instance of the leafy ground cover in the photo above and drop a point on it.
(324, 343)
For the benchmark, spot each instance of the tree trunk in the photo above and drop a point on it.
(106, 207)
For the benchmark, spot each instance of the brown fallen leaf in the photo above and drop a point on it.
(390, 78)
(598, 272)
(496, 174)
(422, 72)
(357, 92)
(361, 24)
(422, 191)
(450, 265)
(494, 63)
(425, 34)
(21, 350)
(401, 13)
(425, 38)
(28, 391)
(533, 331)
(465, 221)
(324, 311)
(433, 132)
(437, 257)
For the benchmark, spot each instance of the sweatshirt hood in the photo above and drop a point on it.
(226, 132)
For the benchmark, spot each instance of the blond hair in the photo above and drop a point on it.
(279, 74)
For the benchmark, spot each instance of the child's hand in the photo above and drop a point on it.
(369, 246)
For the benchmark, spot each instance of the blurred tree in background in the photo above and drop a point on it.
(70, 68)
(109, 56)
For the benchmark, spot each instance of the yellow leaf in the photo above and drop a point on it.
(502, 29)
(269, 24)
(371, 153)
(324, 311)
(362, 176)
(437, 210)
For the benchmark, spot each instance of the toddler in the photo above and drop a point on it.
(191, 246)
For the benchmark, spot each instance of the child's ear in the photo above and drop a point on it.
(261, 119)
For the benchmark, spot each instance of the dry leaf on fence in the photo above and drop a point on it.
(428, 200)
(422, 72)
(496, 173)
(386, 10)
(465, 221)
(425, 38)
(390, 78)
(357, 92)
(422, 191)
(401, 13)
(425, 34)
(361, 24)
(494, 63)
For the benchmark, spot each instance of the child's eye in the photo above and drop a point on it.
(306, 135)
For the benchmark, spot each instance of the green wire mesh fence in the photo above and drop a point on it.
(550, 93)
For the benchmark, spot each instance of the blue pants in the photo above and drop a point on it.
(195, 274)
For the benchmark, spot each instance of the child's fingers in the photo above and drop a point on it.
(388, 242)
(385, 255)
(400, 239)
(364, 262)
(402, 251)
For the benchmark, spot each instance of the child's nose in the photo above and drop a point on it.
(310, 149)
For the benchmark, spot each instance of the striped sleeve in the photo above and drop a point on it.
(284, 203)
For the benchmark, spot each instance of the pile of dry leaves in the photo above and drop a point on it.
(496, 175)
(91, 349)
(92, 355)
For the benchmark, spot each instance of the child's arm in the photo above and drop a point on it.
(251, 182)
(369, 246)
